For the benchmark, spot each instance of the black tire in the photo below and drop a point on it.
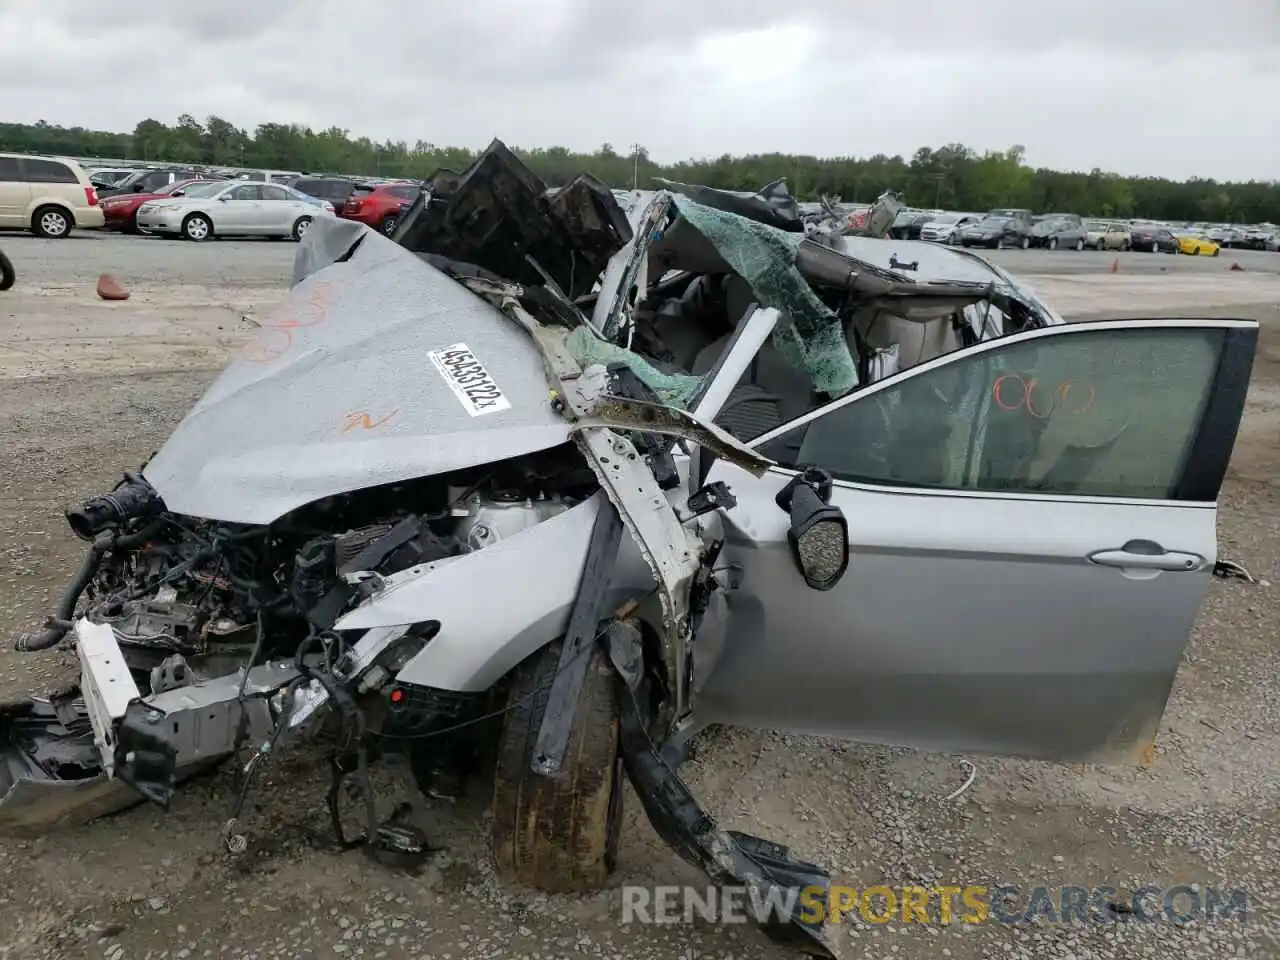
(558, 835)
(7, 276)
(1026, 243)
(300, 227)
(1079, 245)
(1217, 251)
(389, 224)
(52, 223)
(1052, 243)
(192, 229)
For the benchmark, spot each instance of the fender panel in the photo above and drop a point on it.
(500, 604)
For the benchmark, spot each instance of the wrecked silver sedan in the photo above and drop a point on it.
(559, 484)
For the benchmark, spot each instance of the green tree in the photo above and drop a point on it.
(951, 174)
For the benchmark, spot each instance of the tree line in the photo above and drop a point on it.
(952, 176)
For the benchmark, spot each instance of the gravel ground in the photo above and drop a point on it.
(87, 388)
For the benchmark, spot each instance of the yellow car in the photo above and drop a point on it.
(1197, 245)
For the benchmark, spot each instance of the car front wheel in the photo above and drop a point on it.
(558, 834)
(197, 227)
(300, 227)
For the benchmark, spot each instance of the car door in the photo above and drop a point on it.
(15, 194)
(1032, 528)
(279, 210)
(238, 210)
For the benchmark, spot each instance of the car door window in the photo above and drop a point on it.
(47, 171)
(246, 191)
(9, 169)
(271, 191)
(1109, 412)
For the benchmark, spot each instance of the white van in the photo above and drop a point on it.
(47, 195)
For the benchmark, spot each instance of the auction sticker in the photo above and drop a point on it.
(469, 380)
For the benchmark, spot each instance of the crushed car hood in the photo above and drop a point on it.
(375, 368)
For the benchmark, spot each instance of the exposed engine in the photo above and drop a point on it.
(170, 584)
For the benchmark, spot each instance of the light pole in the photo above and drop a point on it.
(635, 169)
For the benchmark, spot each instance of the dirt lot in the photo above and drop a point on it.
(87, 388)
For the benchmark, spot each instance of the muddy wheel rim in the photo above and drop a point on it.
(54, 224)
(197, 228)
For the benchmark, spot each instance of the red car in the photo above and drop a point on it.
(121, 210)
(379, 206)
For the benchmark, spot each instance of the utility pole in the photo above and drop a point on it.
(635, 170)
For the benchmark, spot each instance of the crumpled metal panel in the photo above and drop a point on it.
(772, 204)
(336, 390)
(498, 216)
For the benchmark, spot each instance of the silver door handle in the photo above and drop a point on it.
(1145, 555)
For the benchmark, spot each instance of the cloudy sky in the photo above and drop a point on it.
(1166, 87)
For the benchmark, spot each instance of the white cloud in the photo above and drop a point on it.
(1165, 87)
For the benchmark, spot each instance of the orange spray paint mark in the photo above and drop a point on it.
(366, 421)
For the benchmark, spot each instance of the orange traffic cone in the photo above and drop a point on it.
(110, 289)
(1115, 266)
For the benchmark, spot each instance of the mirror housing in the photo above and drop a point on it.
(819, 533)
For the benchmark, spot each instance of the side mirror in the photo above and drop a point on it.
(139, 188)
(225, 197)
(178, 193)
(819, 534)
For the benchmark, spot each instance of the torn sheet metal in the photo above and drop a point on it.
(772, 204)
(767, 870)
(499, 217)
(619, 413)
(672, 552)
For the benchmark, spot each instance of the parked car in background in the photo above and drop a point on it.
(1107, 235)
(230, 208)
(106, 177)
(1153, 238)
(996, 231)
(1225, 236)
(310, 200)
(1198, 244)
(334, 189)
(49, 196)
(1059, 230)
(946, 227)
(909, 224)
(1261, 237)
(120, 212)
(379, 206)
(1020, 214)
(150, 181)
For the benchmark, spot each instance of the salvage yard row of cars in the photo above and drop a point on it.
(51, 196)
(1020, 228)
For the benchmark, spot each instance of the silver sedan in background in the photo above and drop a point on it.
(236, 208)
